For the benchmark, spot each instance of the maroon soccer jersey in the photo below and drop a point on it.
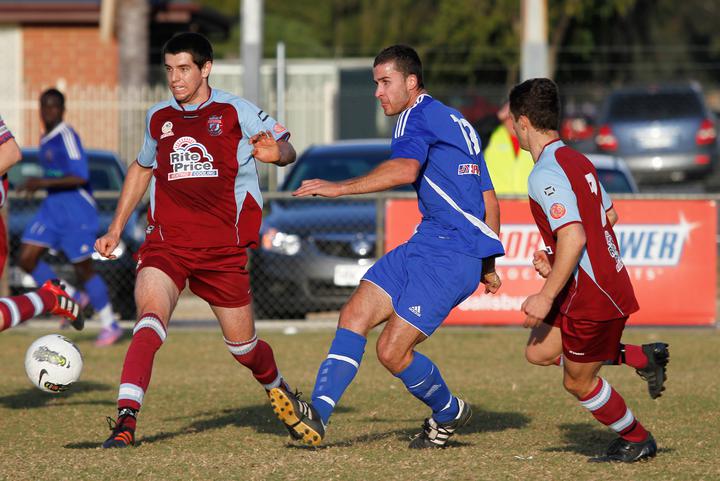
(205, 190)
(564, 188)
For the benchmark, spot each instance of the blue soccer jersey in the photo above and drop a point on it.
(441, 264)
(67, 219)
(453, 177)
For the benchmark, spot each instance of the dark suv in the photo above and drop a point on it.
(664, 133)
(106, 178)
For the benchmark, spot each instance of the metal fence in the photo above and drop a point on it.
(113, 118)
(301, 267)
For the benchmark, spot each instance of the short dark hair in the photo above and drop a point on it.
(539, 100)
(406, 59)
(193, 43)
(53, 94)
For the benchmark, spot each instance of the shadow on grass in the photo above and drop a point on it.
(259, 417)
(588, 440)
(583, 438)
(482, 421)
(34, 398)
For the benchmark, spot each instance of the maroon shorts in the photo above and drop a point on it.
(216, 274)
(591, 341)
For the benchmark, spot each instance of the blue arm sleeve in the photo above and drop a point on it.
(412, 138)
(485, 180)
(73, 156)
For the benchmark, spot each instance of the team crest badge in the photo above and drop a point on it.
(279, 128)
(557, 211)
(215, 125)
(167, 130)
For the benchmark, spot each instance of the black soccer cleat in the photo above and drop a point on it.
(121, 436)
(300, 417)
(654, 373)
(435, 434)
(628, 452)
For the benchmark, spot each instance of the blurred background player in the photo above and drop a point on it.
(48, 299)
(67, 220)
(508, 164)
(585, 279)
(199, 153)
(413, 287)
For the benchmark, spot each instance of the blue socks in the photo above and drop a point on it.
(337, 371)
(422, 378)
(43, 272)
(97, 292)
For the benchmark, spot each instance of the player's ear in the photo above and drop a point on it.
(411, 82)
(205, 70)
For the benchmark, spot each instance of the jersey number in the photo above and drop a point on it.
(473, 144)
(591, 182)
(594, 189)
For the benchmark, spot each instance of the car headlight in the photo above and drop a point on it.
(118, 252)
(275, 241)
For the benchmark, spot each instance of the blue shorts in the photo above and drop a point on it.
(425, 283)
(70, 227)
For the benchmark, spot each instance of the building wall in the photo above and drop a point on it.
(11, 77)
(68, 55)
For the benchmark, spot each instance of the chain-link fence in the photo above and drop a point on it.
(311, 257)
(118, 274)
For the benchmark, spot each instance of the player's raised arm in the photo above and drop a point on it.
(387, 175)
(134, 187)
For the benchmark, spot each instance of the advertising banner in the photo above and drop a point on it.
(668, 246)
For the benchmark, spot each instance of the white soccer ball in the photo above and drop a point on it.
(53, 363)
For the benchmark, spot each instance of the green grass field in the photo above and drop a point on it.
(206, 418)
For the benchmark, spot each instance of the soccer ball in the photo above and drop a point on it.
(53, 363)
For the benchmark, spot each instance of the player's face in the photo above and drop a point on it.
(187, 82)
(393, 88)
(51, 112)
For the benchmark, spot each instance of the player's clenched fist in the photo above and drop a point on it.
(541, 263)
(106, 244)
(536, 308)
(492, 282)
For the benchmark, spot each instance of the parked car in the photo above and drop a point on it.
(664, 133)
(313, 253)
(107, 174)
(614, 174)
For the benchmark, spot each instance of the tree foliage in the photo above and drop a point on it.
(478, 41)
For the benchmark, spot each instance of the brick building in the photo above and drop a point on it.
(58, 43)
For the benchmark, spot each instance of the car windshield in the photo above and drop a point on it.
(614, 181)
(335, 166)
(105, 173)
(658, 106)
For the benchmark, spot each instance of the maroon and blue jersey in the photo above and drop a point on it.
(452, 179)
(205, 190)
(564, 188)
